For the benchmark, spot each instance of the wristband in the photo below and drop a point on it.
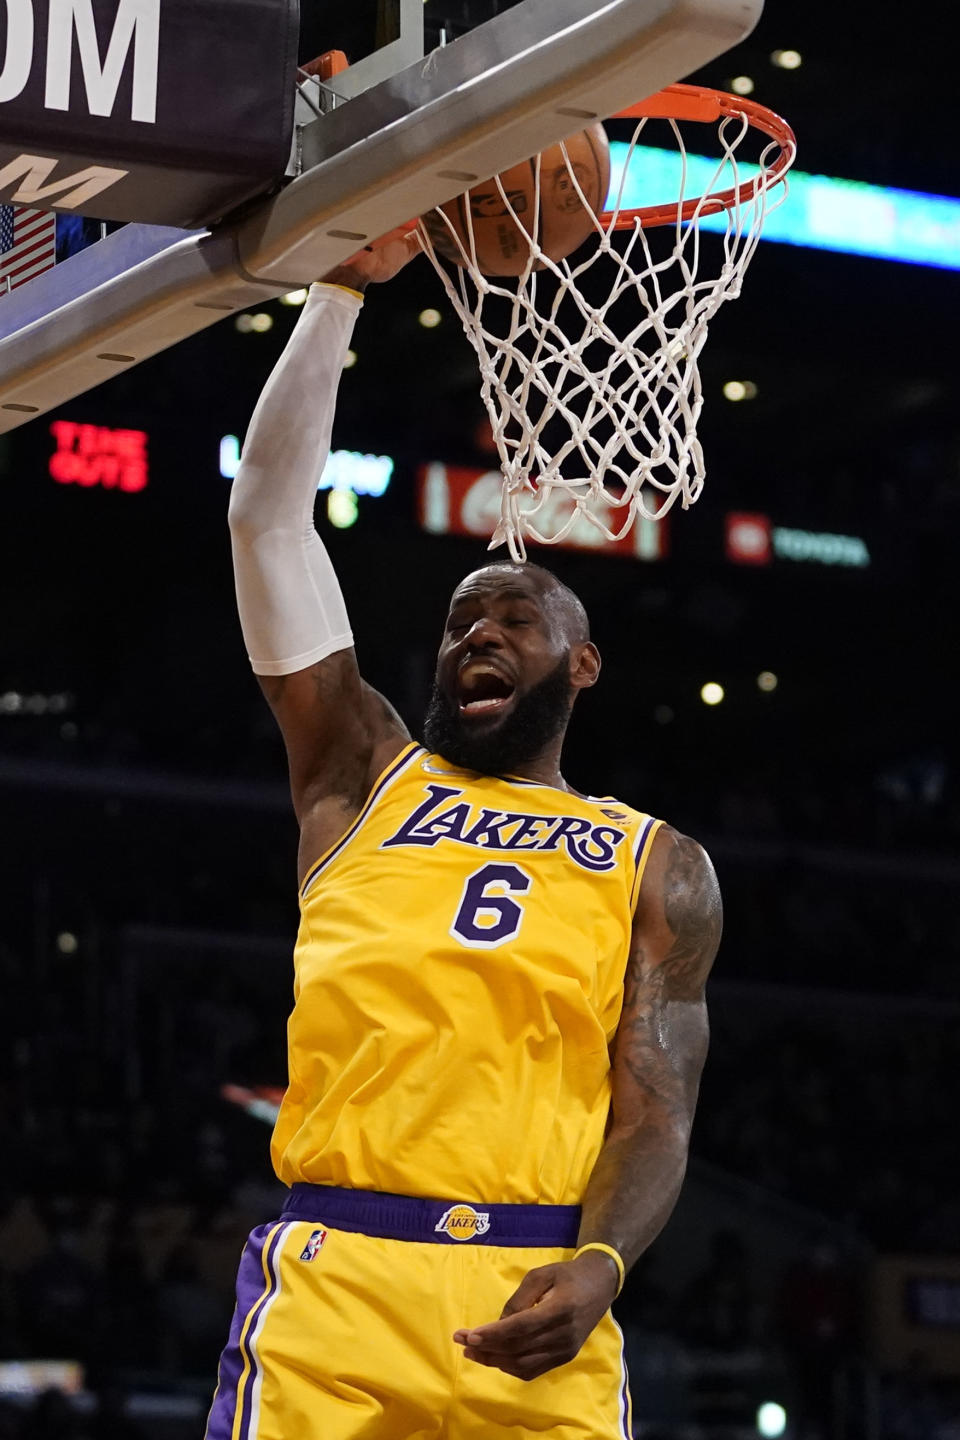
(606, 1250)
(335, 285)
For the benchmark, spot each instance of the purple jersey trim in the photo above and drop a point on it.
(642, 839)
(643, 842)
(626, 1407)
(405, 1217)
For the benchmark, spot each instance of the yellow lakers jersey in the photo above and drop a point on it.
(458, 981)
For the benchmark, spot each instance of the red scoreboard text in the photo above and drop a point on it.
(94, 455)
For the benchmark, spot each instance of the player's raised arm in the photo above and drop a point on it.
(338, 732)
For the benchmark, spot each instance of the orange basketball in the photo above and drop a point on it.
(502, 242)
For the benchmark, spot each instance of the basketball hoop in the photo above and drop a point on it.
(589, 365)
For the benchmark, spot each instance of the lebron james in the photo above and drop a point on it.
(499, 1020)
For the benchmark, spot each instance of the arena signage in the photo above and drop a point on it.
(351, 470)
(753, 539)
(135, 36)
(824, 549)
(749, 540)
(457, 500)
(29, 180)
(95, 456)
(344, 470)
(165, 111)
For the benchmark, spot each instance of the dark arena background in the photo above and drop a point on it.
(808, 1284)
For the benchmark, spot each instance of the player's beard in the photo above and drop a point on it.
(537, 718)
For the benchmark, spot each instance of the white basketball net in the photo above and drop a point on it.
(589, 366)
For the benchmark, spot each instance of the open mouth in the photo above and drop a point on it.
(482, 690)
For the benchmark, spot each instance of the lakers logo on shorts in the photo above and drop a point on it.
(462, 1222)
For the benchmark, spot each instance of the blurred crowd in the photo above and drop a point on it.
(847, 1118)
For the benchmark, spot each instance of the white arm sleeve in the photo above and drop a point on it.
(291, 609)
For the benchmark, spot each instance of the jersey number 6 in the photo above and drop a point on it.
(487, 917)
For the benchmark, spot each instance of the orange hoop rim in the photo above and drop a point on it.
(706, 106)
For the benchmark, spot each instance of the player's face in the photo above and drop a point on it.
(503, 686)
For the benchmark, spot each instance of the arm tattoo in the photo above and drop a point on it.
(642, 1044)
(691, 906)
(659, 1052)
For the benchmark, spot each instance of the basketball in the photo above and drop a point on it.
(564, 222)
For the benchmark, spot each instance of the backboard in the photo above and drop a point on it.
(409, 129)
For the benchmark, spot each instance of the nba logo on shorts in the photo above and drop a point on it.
(309, 1251)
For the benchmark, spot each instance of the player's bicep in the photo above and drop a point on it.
(335, 728)
(661, 1041)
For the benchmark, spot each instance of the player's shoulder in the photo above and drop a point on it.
(680, 880)
(673, 843)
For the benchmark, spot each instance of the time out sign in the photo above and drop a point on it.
(93, 455)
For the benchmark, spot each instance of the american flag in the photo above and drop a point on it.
(28, 243)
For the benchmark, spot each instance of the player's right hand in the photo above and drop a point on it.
(547, 1318)
(379, 261)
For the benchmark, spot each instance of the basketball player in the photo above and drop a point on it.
(499, 1023)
